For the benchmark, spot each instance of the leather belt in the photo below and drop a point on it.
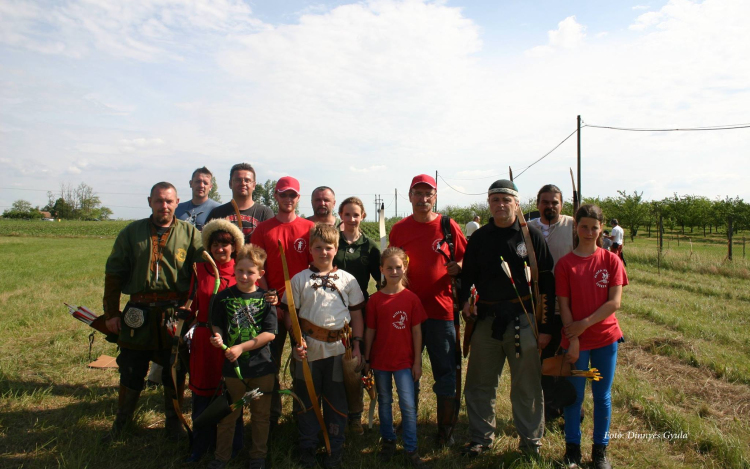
(495, 307)
(157, 298)
(320, 333)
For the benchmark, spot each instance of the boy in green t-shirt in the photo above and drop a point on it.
(243, 320)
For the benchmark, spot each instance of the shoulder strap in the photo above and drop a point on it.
(445, 224)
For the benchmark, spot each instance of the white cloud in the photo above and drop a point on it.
(646, 20)
(142, 30)
(74, 170)
(380, 167)
(569, 35)
(641, 7)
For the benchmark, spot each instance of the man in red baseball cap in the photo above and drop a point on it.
(423, 238)
(294, 234)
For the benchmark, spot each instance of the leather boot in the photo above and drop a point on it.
(446, 419)
(599, 457)
(126, 402)
(172, 425)
(572, 459)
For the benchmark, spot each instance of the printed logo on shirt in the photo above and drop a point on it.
(400, 320)
(181, 255)
(300, 245)
(436, 245)
(521, 250)
(602, 278)
(192, 216)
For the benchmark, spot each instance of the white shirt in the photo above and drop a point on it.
(471, 227)
(617, 235)
(325, 307)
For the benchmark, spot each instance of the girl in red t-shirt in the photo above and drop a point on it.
(589, 284)
(393, 342)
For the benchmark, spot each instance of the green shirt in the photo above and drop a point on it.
(361, 259)
(142, 266)
(133, 258)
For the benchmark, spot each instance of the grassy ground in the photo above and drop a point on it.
(683, 370)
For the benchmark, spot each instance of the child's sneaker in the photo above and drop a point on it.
(415, 460)
(387, 449)
(355, 426)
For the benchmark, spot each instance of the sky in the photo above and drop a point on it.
(363, 96)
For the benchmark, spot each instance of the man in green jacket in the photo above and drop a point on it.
(151, 261)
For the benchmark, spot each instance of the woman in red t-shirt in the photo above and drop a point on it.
(393, 342)
(589, 284)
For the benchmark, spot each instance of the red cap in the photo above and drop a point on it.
(287, 183)
(423, 179)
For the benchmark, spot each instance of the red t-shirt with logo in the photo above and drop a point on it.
(428, 276)
(295, 237)
(586, 281)
(392, 317)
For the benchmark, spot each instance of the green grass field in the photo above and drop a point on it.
(683, 369)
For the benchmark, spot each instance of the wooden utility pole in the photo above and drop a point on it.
(660, 242)
(729, 235)
(580, 192)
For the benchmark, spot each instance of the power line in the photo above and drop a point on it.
(686, 129)
(546, 154)
(460, 192)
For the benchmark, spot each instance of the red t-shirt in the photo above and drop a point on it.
(586, 281)
(392, 317)
(295, 237)
(428, 276)
(205, 359)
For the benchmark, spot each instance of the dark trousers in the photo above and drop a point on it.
(439, 338)
(133, 366)
(328, 378)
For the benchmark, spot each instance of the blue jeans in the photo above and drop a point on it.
(439, 337)
(604, 359)
(406, 394)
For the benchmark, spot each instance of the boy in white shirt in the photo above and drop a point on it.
(327, 299)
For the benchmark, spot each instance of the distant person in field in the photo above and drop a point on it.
(617, 237)
(246, 214)
(151, 261)
(196, 210)
(472, 226)
(557, 230)
(421, 236)
(323, 203)
(504, 326)
(606, 242)
(294, 234)
(360, 256)
(589, 283)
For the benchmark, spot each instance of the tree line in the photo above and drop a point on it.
(683, 212)
(70, 203)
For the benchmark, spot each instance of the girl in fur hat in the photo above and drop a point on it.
(222, 239)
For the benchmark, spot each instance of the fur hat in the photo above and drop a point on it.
(221, 224)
